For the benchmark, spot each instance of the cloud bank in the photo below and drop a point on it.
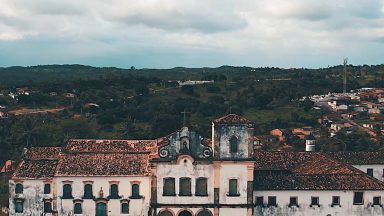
(168, 33)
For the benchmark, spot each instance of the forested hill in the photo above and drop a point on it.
(17, 75)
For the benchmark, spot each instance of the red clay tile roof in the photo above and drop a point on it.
(35, 169)
(308, 171)
(110, 146)
(232, 119)
(47, 153)
(103, 164)
(358, 158)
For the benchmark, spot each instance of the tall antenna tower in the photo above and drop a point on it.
(345, 76)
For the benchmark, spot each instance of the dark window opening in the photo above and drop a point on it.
(47, 188)
(67, 191)
(78, 209)
(125, 208)
(19, 188)
(358, 198)
(88, 191)
(233, 144)
(335, 201)
(169, 187)
(135, 191)
(233, 188)
(185, 187)
(272, 201)
(201, 187)
(370, 172)
(101, 209)
(315, 201)
(293, 202)
(47, 207)
(19, 206)
(259, 201)
(376, 201)
(114, 192)
(165, 213)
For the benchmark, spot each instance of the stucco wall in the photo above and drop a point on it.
(377, 170)
(325, 200)
(222, 135)
(185, 168)
(233, 171)
(137, 207)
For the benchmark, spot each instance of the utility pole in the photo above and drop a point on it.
(345, 76)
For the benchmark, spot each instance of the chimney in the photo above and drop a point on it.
(310, 145)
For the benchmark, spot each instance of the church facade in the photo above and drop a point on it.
(184, 174)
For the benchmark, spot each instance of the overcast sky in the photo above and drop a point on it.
(191, 33)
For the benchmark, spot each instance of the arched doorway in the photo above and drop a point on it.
(204, 213)
(185, 213)
(165, 213)
(101, 209)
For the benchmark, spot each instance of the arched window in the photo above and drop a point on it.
(204, 213)
(185, 213)
(124, 208)
(135, 191)
(67, 191)
(234, 144)
(165, 213)
(19, 188)
(114, 191)
(88, 192)
(101, 209)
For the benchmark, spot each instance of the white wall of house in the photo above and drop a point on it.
(233, 171)
(185, 168)
(137, 207)
(325, 200)
(233, 211)
(32, 196)
(378, 170)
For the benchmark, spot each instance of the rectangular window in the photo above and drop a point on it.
(358, 198)
(47, 188)
(201, 187)
(124, 208)
(88, 191)
(259, 201)
(47, 207)
(293, 202)
(315, 201)
(377, 200)
(272, 201)
(78, 209)
(185, 187)
(135, 191)
(335, 201)
(233, 188)
(370, 172)
(114, 191)
(19, 206)
(67, 191)
(169, 187)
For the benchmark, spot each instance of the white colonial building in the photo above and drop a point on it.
(184, 174)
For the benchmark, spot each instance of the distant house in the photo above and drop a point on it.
(374, 111)
(69, 95)
(8, 166)
(52, 94)
(282, 134)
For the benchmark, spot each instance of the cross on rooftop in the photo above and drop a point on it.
(184, 117)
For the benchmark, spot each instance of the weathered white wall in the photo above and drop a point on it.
(377, 170)
(33, 195)
(325, 200)
(137, 207)
(185, 168)
(233, 171)
(233, 211)
(224, 134)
